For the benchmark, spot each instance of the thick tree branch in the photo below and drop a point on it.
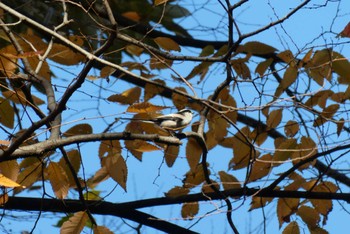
(49, 145)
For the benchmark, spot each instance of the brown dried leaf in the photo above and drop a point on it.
(229, 181)
(263, 66)
(167, 44)
(143, 146)
(309, 215)
(193, 153)
(206, 188)
(193, 178)
(291, 228)
(256, 48)
(75, 160)
(29, 176)
(170, 154)
(274, 118)
(79, 129)
(177, 191)
(75, 224)
(285, 149)
(291, 128)
(117, 169)
(152, 90)
(160, 63)
(285, 208)
(290, 75)
(260, 168)
(18, 96)
(107, 71)
(189, 210)
(179, 101)
(144, 107)
(58, 179)
(102, 230)
(132, 15)
(258, 202)
(10, 169)
(7, 114)
(127, 97)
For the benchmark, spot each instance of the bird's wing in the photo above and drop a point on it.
(170, 117)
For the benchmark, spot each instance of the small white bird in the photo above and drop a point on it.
(172, 122)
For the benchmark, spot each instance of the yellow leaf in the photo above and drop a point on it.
(6, 182)
(274, 118)
(132, 15)
(229, 181)
(8, 63)
(167, 44)
(291, 128)
(291, 228)
(102, 230)
(79, 129)
(170, 154)
(309, 215)
(75, 224)
(193, 153)
(189, 210)
(58, 179)
(144, 107)
(127, 97)
(10, 169)
(7, 114)
(177, 191)
(117, 169)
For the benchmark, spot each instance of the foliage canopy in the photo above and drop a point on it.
(275, 111)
